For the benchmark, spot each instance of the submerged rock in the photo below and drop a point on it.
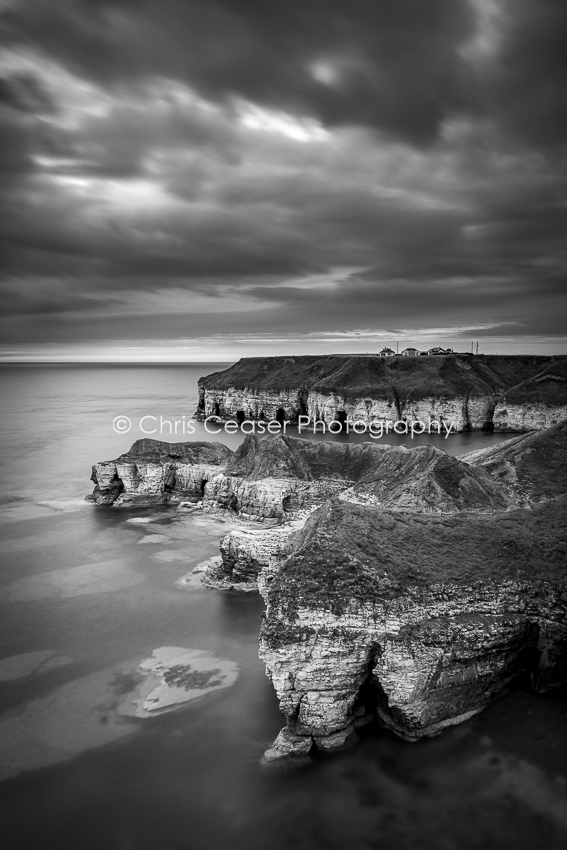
(174, 676)
(28, 663)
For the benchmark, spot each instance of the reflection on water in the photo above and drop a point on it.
(87, 594)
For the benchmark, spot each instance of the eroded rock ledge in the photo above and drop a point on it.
(497, 392)
(418, 619)
(399, 583)
(274, 484)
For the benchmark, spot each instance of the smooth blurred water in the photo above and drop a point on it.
(100, 594)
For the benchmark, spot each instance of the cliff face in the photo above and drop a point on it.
(531, 468)
(400, 583)
(418, 619)
(284, 479)
(506, 393)
(153, 472)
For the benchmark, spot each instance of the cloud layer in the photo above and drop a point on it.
(199, 170)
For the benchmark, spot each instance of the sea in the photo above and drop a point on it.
(86, 595)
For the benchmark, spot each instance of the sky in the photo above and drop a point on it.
(210, 179)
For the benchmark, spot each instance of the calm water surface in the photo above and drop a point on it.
(99, 594)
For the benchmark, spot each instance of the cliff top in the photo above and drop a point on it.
(529, 468)
(350, 552)
(157, 451)
(517, 377)
(534, 463)
(420, 477)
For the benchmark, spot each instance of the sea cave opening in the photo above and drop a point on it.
(302, 397)
(169, 482)
(289, 503)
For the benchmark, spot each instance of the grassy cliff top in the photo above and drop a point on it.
(386, 472)
(535, 463)
(350, 552)
(370, 375)
(158, 451)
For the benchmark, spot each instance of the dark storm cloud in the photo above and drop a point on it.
(18, 303)
(14, 156)
(526, 86)
(189, 167)
(395, 63)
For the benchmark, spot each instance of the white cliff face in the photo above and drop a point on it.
(148, 483)
(516, 393)
(254, 404)
(422, 661)
(247, 551)
(398, 583)
(281, 481)
(464, 412)
(267, 498)
(527, 417)
(454, 411)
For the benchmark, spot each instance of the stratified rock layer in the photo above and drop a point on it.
(153, 472)
(281, 480)
(530, 468)
(400, 583)
(418, 618)
(504, 393)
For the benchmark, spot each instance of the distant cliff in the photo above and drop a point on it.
(484, 392)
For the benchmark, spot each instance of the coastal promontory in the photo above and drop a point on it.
(405, 586)
(473, 392)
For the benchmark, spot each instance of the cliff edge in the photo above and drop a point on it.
(501, 392)
(403, 584)
(417, 619)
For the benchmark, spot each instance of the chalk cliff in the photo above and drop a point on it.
(153, 472)
(418, 619)
(403, 584)
(504, 393)
(531, 468)
(282, 480)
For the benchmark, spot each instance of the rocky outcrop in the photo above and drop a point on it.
(281, 480)
(402, 584)
(420, 619)
(153, 472)
(506, 393)
(531, 468)
(417, 619)
(246, 552)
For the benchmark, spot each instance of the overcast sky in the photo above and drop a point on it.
(203, 179)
